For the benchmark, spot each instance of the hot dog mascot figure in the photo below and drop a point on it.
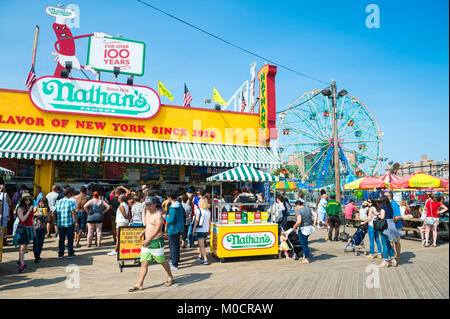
(65, 45)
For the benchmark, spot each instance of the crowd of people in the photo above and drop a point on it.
(184, 218)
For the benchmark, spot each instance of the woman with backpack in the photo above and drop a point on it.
(385, 224)
(95, 209)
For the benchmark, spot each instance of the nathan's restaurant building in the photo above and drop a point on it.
(76, 131)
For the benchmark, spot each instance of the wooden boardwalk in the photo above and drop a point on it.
(423, 273)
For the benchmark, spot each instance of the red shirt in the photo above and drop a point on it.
(432, 209)
(29, 221)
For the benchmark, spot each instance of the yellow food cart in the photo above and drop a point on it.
(3, 221)
(242, 229)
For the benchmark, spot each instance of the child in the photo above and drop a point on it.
(284, 247)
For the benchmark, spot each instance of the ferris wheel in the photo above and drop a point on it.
(305, 143)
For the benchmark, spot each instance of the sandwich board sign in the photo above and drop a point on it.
(106, 53)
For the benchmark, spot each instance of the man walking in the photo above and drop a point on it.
(153, 245)
(175, 226)
(66, 221)
(81, 199)
(51, 197)
(333, 209)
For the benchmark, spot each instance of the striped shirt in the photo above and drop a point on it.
(64, 209)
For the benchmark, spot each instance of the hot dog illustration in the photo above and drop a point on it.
(65, 44)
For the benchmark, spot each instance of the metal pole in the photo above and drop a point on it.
(337, 177)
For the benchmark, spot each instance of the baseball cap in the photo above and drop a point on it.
(151, 200)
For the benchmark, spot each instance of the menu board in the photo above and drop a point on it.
(92, 170)
(25, 168)
(69, 170)
(115, 170)
(10, 164)
(170, 173)
(150, 172)
(132, 172)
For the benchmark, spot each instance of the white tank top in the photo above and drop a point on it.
(373, 216)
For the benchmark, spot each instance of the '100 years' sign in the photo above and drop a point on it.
(94, 98)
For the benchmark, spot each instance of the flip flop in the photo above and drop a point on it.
(134, 288)
(169, 283)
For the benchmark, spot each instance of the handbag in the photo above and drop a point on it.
(201, 219)
(380, 224)
(429, 221)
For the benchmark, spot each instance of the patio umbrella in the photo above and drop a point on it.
(285, 185)
(366, 182)
(389, 178)
(420, 181)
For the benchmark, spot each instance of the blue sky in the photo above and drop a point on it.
(400, 71)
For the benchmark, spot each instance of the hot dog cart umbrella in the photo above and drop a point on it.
(242, 228)
(3, 173)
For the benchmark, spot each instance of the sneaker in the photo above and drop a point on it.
(60, 257)
(204, 262)
(423, 241)
(71, 256)
(22, 268)
(172, 267)
(112, 253)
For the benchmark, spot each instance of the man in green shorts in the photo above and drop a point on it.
(153, 245)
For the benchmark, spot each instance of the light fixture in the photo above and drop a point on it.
(217, 106)
(326, 92)
(69, 66)
(130, 80)
(64, 73)
(116, 71)
(342, 93)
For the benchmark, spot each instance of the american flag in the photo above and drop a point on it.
(31, 78)
(243, 103)
(187, 97)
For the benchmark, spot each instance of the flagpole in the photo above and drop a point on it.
(36, 34)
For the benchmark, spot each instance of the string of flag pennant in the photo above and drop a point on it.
(187, 98)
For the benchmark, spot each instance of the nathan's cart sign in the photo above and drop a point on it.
(244, 240)
(250, 240)
(94, 98)
(106, 53)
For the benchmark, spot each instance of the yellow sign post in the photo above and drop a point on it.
(129, 247)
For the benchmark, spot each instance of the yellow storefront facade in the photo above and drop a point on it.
(176, 142)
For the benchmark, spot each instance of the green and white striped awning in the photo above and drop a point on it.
(243, 173)
(185, 153)
(5, 171)
(49, 146)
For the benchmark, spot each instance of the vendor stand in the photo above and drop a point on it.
(3, 215)
(242, 229)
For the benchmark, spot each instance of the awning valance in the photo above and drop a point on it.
(49, 146)
(44, 146)
(243, 173)
(185, 153)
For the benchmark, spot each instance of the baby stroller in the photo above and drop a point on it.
(356, 242)
(293, 241)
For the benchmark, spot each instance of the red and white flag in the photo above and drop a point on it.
(187, 97)
(243, 103)
(31, 78)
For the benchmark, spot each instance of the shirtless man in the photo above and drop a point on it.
(153, 245)
(81, 200)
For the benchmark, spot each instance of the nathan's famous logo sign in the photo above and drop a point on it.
(262, 75)
(94, 98)
(250, 240)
